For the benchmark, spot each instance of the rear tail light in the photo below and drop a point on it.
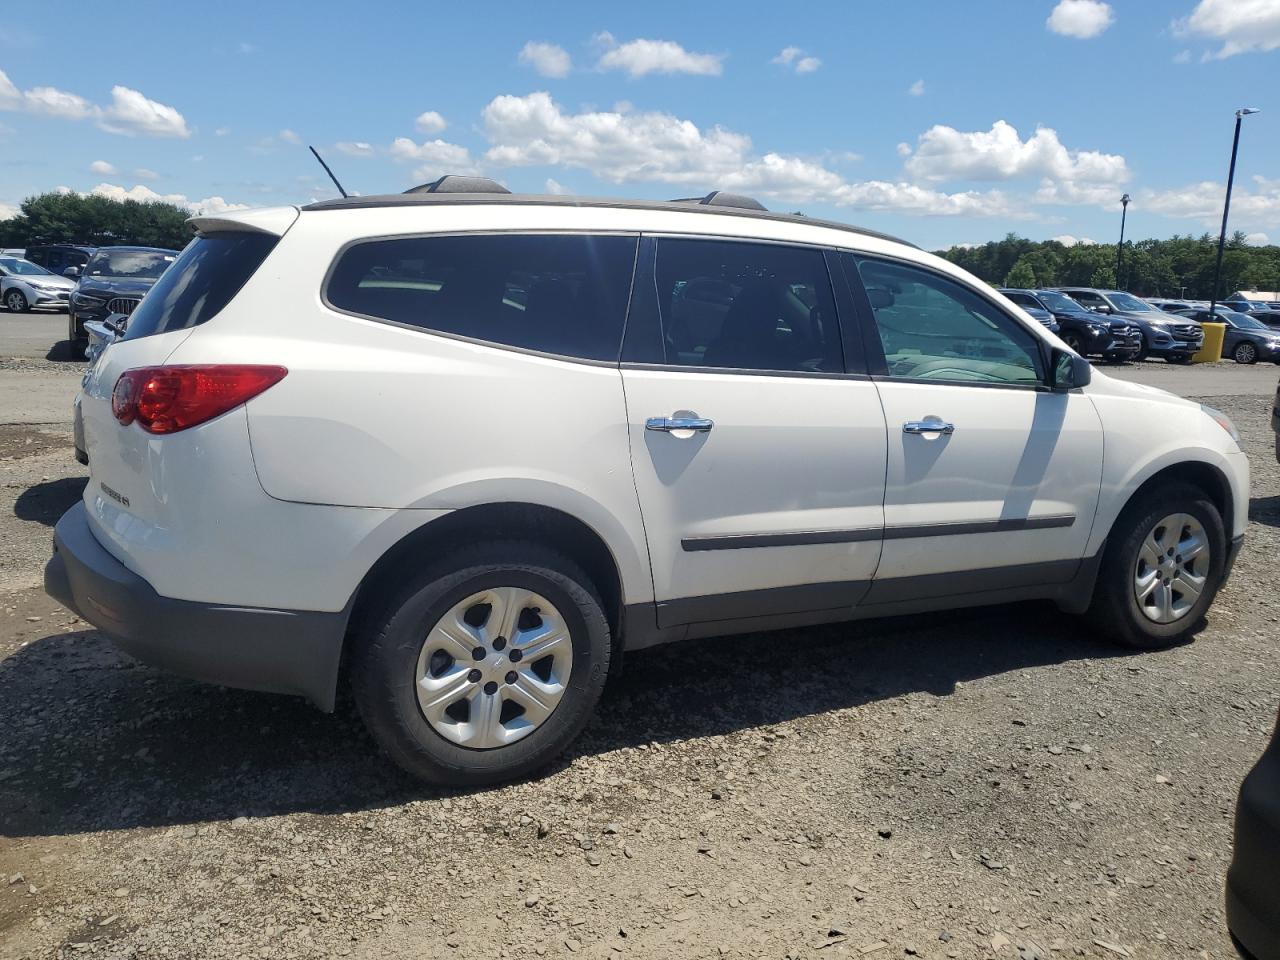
(169, 399)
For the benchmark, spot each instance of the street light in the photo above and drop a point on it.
(1124, 209)
(1226, 208)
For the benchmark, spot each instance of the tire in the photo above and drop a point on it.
(1072, 340)
(1178, 359)
(1116, 610)
(1245, 352)
(396, 647)
(1143, 351)
(15, 301)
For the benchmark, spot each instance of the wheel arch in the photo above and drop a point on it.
(1197, 473)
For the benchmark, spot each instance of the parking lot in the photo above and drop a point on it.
(992, 783)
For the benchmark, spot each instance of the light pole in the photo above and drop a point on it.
(1124, 209)
(1226, 208)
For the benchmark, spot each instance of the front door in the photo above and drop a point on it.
(992, 478)
(759, 462)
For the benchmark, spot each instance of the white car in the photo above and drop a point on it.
(25, 285)
(461, 450)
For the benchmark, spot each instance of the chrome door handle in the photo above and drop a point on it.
(928, 426)
(668, 424)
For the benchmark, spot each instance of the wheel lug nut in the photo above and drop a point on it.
(511, 676)
(499, 643)
(491, 688)
(478, 653)
(474, 676)
(515, 656)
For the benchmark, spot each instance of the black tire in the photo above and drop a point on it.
(15, 301)
(1178, 359)
(1072, 340)
(1114, 610)
(1114, 359)
(1143, 351)
(384, 662)
(1245, 352)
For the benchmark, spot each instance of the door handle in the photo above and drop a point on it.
(668, 424)
(928, 426)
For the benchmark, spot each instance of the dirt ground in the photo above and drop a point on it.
(996, 783)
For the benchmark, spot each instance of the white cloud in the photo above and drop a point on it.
(57, 103)
(1251, 210)
(641, 57)
(131, 112)
(142, 173)
(288, 136)
(1067, 240)
(430, 122)
(102, 167)
(916, 89)
(222, 131)
(1243, 26)
(144, 194)
(1081, 19)
(796, 59)
(547, 59)
(654, 147)
(1257, 240)
(1182, 56)
(355, 148)
(435, 157)
(8, 210)
(555, 187)
(944, 153)
(904, 150)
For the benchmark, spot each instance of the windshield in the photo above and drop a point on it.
(130, 264)
(1058, 301)
(25, 268)
(1132, 304)
(1242, 321)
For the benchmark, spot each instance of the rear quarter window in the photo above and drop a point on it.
(203, 280)
(560, 294)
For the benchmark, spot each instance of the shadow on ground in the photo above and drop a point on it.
(62, 350)
(94, 741)
(1265, 510)
(46, 502)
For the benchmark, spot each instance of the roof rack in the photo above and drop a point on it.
(718, 198)
(451, 183)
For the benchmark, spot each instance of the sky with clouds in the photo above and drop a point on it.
(941, 122)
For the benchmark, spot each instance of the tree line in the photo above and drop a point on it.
(96, 221)
(1178, 267)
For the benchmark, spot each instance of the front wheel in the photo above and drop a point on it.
(15, 301)
(1179, 359)
(485, 667)
(1144, 350)
(1073, 341)
(1162, 568)
(1245, 352)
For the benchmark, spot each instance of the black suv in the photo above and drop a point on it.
(1087, 333)
(64, 259)
(113, 281)
(1163, 334)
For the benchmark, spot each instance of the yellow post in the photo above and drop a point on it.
(1211, 350)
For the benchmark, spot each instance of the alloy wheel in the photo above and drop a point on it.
(1246, 353)
(1172, 568)
(494, 668)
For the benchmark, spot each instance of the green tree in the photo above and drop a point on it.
(1022, 274)
(99, 221)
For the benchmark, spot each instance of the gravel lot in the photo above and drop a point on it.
(995, 783)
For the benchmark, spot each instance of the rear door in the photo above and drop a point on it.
(759, 457)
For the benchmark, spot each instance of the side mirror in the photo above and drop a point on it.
(1069, 370)
(72, 271)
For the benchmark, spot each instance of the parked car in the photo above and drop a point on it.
(1162, 335)
(1032, 307)
(64, 259)
(1253, 896)
(1244, 304)
(1245, 339)
(1270, 317)
(25, 285)
(1085, 332)
(332, 446)
(1168, 306)
(114, 281)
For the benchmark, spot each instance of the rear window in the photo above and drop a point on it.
(560, 294)
(204, 278)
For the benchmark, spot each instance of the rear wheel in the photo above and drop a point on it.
(485, 667)
(1245, 352)
(15, 301)
(1162, 568)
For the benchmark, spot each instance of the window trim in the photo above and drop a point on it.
(463, 338)
(875, 346)
(647, 326)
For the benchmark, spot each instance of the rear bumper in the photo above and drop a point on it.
(277, 651)
(1252, 895)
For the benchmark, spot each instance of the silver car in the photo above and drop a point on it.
(25, 285)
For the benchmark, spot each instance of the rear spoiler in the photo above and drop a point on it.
(273, 221)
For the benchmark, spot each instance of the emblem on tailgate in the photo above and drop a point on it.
(117, 497)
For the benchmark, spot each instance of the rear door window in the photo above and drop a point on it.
(203, 280)
(564, 294)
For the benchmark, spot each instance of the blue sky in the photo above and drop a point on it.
(941, 122)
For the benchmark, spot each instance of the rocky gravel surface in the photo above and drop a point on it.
(991, 784)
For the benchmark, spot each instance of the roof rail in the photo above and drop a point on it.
(451, 183)
(718, 198)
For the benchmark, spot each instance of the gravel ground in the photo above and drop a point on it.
(995, 783)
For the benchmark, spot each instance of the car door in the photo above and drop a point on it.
(992, 478)
(758, 457)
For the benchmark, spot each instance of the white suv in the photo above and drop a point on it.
(461, 449)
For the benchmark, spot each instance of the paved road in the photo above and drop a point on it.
(33, 335)
(1225, 379)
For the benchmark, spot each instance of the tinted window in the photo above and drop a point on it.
(204, 278)
(933, 328)
(1088, 299)
(128, 264)
(749, 306)
(1022, 299)
(558, 294)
